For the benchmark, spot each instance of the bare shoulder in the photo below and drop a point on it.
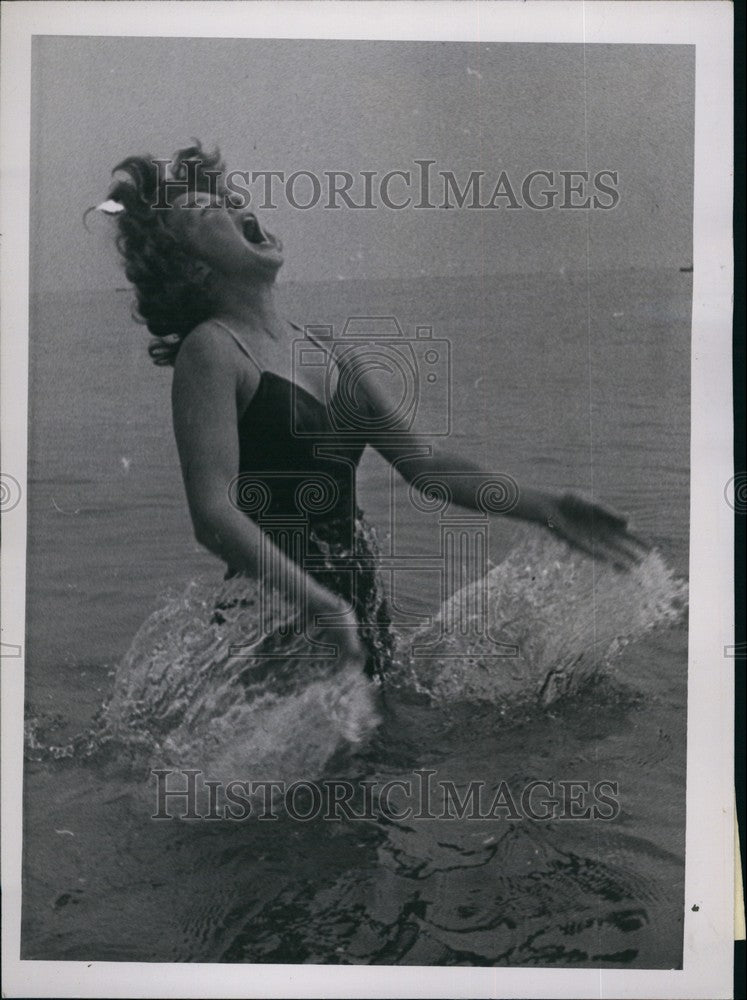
(205, 370)
(210, 355)
(207, 348)
(211, 375)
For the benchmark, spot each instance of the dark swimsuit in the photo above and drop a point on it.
(297, 472)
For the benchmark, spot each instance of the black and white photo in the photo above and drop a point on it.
(375, 429)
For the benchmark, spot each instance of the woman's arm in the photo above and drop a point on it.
(585, 524)
(204, 406)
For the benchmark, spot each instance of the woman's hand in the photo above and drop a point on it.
(593, 528)
(342, 634)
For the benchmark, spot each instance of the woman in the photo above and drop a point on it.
(205, 271)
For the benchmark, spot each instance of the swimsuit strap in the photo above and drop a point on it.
(245, 350)
(240, 343)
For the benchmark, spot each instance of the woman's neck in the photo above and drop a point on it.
(249, 305)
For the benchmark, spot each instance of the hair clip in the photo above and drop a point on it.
(110, 207)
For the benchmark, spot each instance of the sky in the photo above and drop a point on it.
(294, 105)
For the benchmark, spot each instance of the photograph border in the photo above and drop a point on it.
(709, 879)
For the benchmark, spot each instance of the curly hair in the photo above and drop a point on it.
(172, 286)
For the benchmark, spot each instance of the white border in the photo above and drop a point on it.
(709, 880)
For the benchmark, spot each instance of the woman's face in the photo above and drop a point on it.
(230, 240)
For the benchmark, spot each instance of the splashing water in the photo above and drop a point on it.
(196, 688)
(183, 697)
(562, 619)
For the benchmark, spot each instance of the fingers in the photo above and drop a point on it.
(577, 542)
(609, 514)
(616, 549)
(577, 505)
(605, 529)
(637, 540)
(619, 558)
(629, 554)
(627, 540)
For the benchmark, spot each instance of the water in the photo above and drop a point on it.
(559, 382)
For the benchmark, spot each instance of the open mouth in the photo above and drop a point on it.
(253, 231)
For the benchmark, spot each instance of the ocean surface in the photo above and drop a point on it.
(567, 381)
